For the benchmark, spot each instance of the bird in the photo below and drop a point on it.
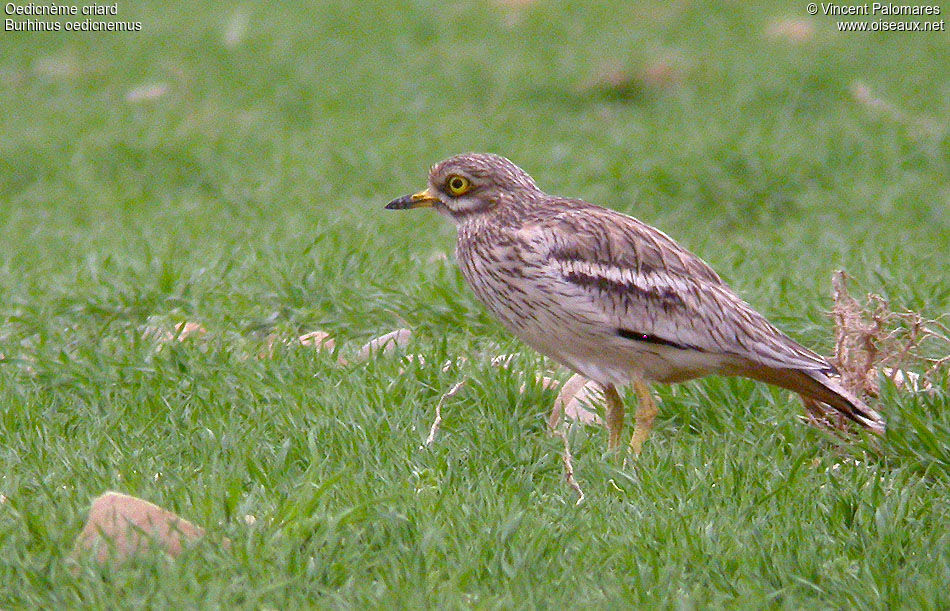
(611, 297)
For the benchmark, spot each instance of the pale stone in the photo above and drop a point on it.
(385, 344)
(120, 526)
(577, 393)
(320, 340)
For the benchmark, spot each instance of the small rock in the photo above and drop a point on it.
(121, 526)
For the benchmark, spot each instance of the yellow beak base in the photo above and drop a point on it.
(422, 199)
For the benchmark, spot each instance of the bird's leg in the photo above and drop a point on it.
(614, 416)
(646, 414)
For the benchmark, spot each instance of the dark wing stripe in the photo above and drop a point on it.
(652, 339)
(665, 296)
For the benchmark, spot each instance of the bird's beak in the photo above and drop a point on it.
(422, 199)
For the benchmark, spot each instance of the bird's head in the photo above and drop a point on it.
(470, 186)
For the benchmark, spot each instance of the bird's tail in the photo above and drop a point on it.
(825, 388)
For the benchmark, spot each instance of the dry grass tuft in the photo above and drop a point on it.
(857, 336)
(568, 460)
(872, 340)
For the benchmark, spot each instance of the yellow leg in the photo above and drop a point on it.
(646, 414)
(614, 416)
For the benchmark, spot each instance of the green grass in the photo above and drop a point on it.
(249, 198)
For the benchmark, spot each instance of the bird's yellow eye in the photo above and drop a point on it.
(457, 185)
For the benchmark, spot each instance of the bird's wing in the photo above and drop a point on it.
(635, 278)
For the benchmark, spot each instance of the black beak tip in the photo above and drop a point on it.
(398, 204)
